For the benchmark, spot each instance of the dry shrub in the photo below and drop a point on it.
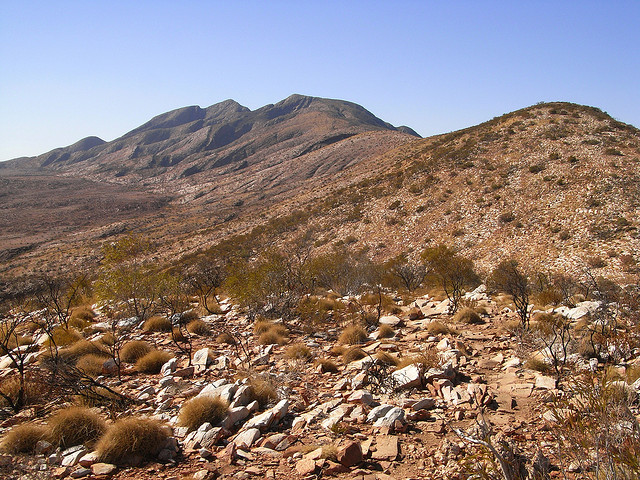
(22, 438)
(157, 324)
(74, 426)
(386, 331)
(353, 354)
(298, 351)
(437, 328)
(35, 390)
(131, 437)
(338, 350)
(132, 351)
(467, 315)
(80, 349)
(387, 359)
(78, 323)
(188, 316)
(97, 397)
(511, 326)
(84, 312)
(178, 336)
(353, 335)
(226, 338)
(271, 337)
(198, 327)
(327, 365)
(261, 326)
(65, 336)
(329, 452)
(539, 365)
(153, 361)
(262, 390)
(91, 364)
(199, 410)
(427, 359)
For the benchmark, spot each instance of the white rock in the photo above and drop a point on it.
(247, 438)
(378, 412)
(407, 377)
(391, 320)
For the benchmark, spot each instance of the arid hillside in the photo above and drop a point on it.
(554, 185)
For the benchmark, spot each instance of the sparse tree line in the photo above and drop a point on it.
(288, 282)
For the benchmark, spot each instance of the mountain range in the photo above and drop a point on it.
(554, 185)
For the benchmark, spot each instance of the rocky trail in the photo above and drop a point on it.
(360, 420)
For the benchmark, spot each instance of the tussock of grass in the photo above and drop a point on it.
(338, 350)
(262, 390)
(353, 335)
(467, 315)
(132, 351)
(22, 438)
(387, 359)
(177, 335)
(226, 338)
(84, 312)
(97, 397)
(157, 324)
(271, 337)
(201, 410)
(534, 363)
(65, 336)
(153, 361)
(78, 323)
(91, 364)
(188, 316)
(386, 331)
(80, 349)
(198, 327)
(437, 328)
(35, 390)
(427, 359)
(74, 426)
(298, 351)
(130, 437)
(353, 354)
(327, 365)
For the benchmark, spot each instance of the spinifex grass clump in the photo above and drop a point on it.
(298, 351)
(74, 426)
(201, 410)
(353, 335)
(157, 324)
(152, 362)
(132, 351)
(130, 437)
(22, 438)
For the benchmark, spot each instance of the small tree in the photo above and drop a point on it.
(204, 277)
(508, 278)
(56, 297)
(555, 334)
(127, 278)
(17, 347)
(273, 285)
(174, 299)
(410, 273)
(453, 272)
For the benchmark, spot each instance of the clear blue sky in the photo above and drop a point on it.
(70, 69)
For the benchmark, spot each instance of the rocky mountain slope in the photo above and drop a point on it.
(554, 185)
